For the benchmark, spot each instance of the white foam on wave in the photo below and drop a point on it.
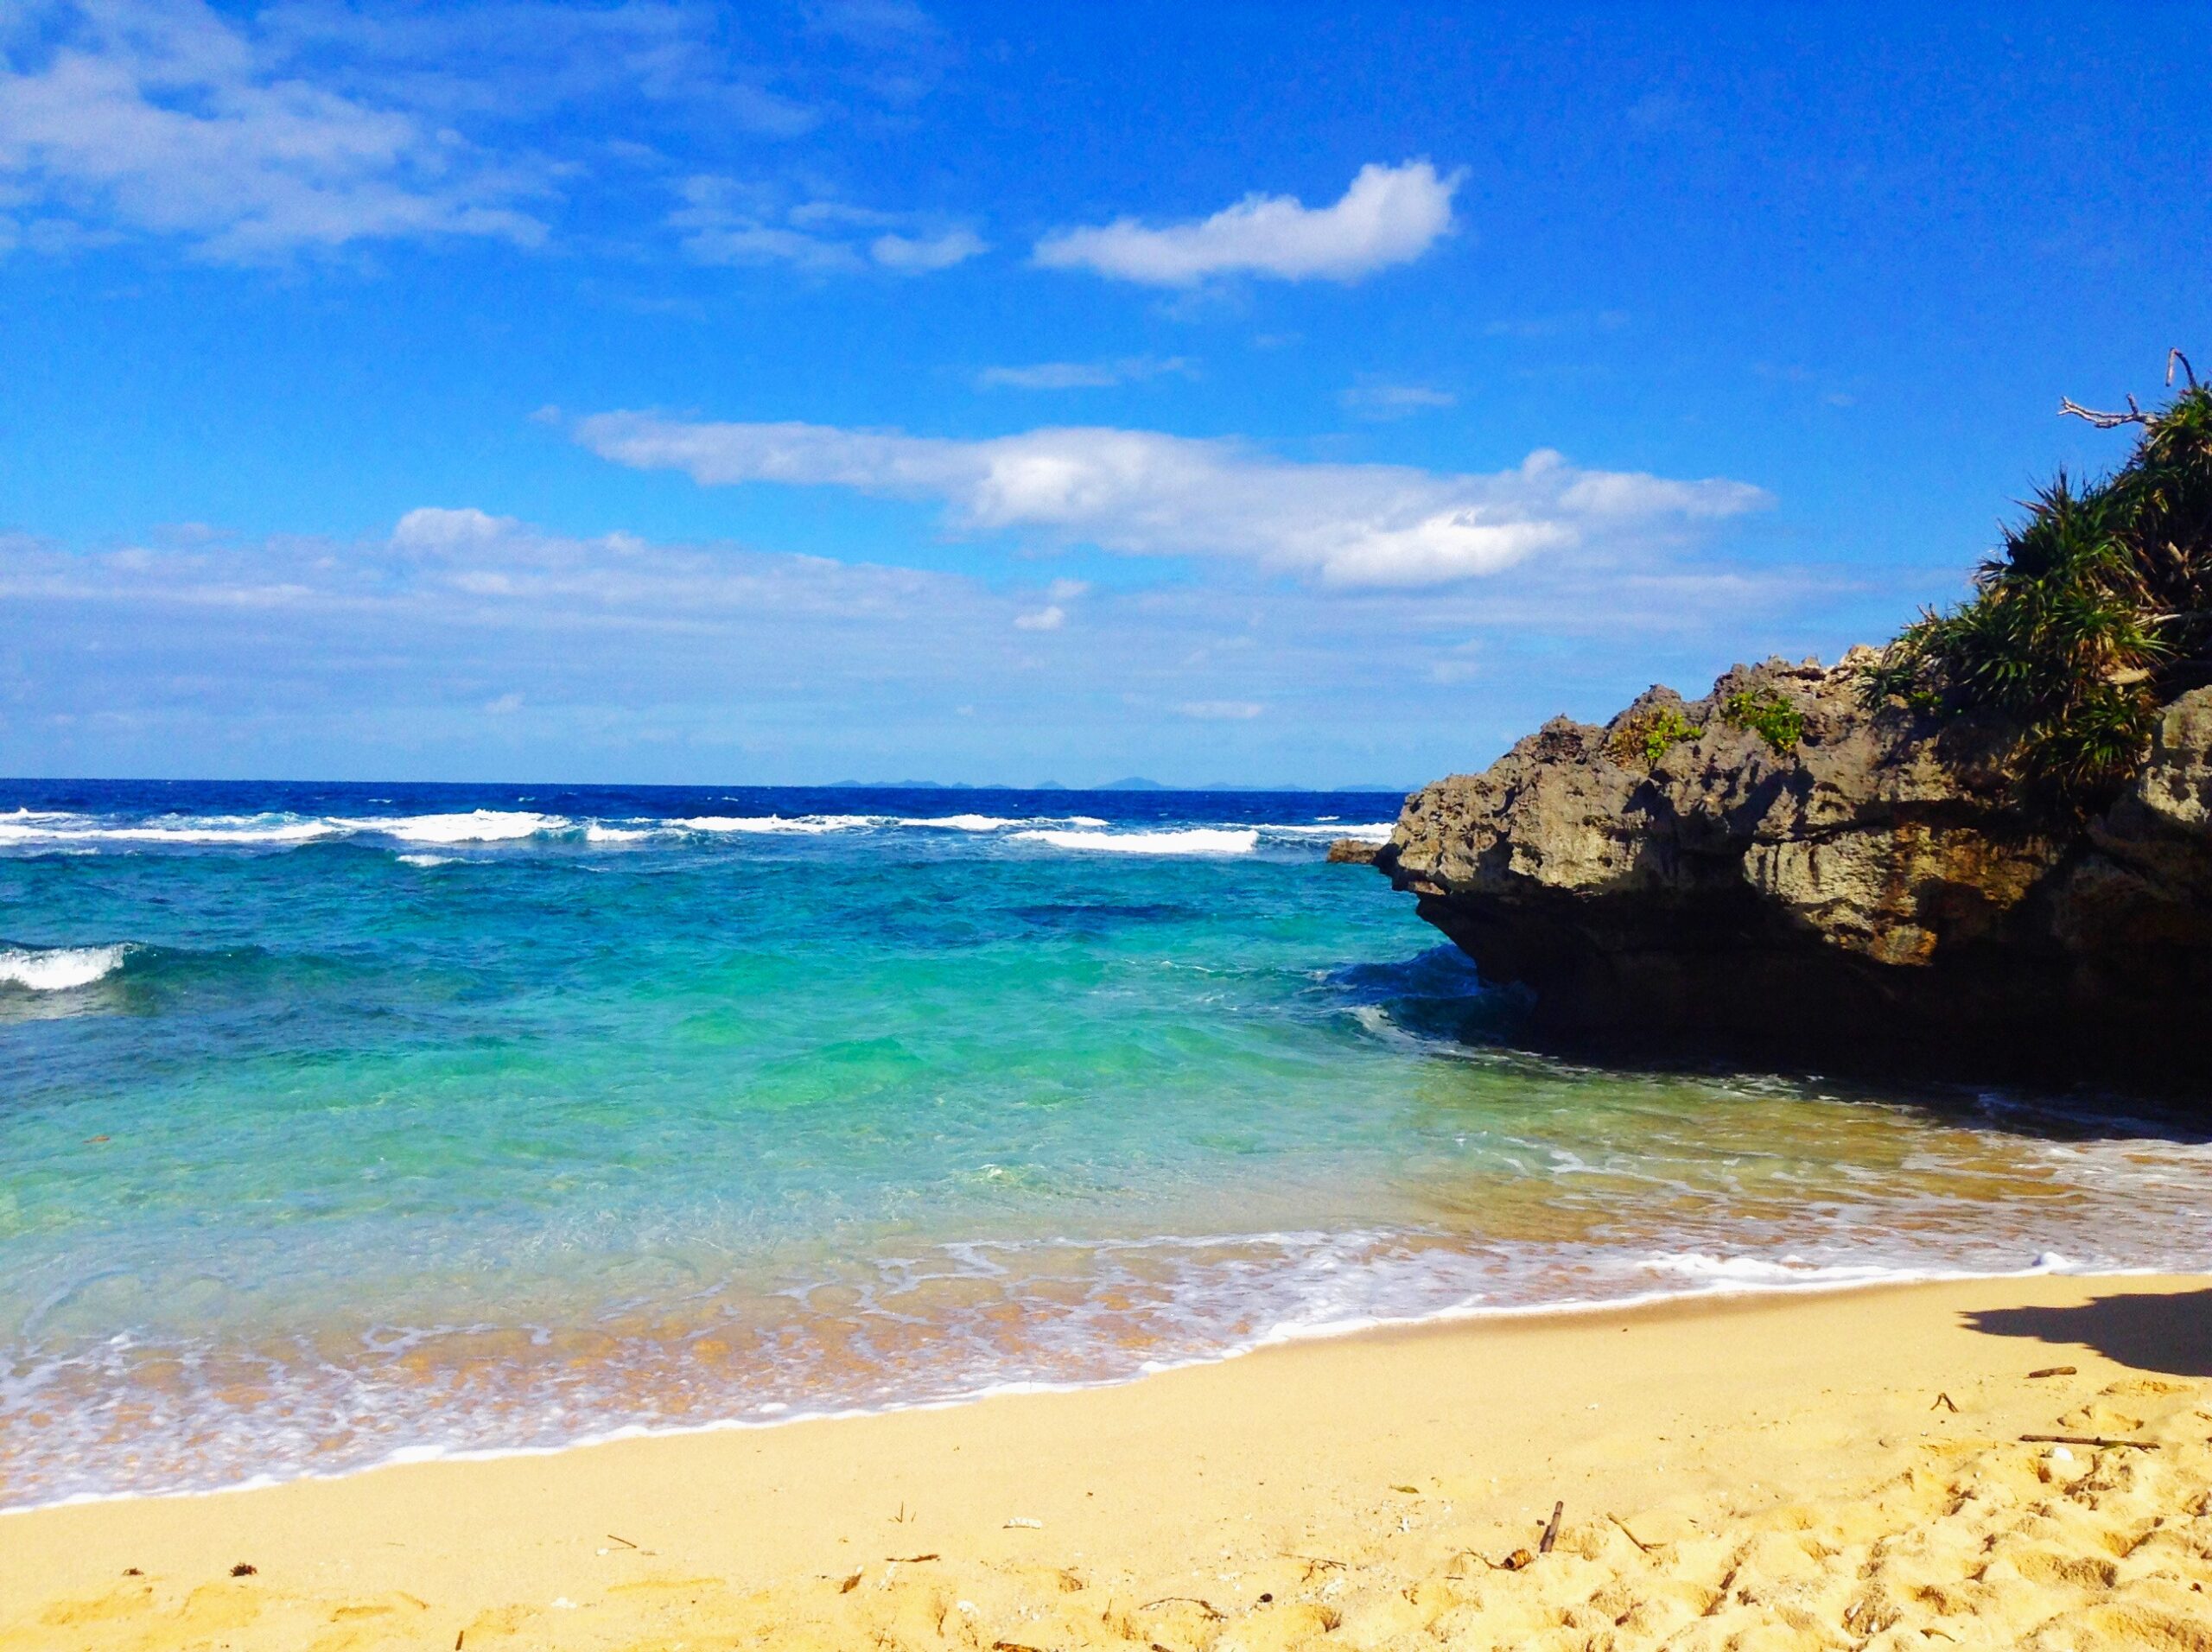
(595, 833)
(1334, 1295)
(477, 826)
(1376, 832)
(764, 825)
(428, 859)
(58, 969)
(995, 822)
(25, 827)
(1197, 840)
(1705, 1268)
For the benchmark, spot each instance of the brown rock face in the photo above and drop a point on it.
(1870, 895)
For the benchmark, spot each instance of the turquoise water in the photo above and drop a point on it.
(341, 1122)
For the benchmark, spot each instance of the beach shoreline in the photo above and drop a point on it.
(1838, 1281)
(1798, 1442)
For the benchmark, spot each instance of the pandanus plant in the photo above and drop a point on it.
(2096, 611)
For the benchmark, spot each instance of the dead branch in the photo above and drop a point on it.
(2068, 407)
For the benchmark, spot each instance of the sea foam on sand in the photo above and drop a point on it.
(1791, 1473)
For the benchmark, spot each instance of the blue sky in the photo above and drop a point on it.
(845, 388)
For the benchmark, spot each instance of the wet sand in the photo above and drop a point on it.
(1818, 1471)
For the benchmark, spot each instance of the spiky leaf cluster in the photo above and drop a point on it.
(2098, 608)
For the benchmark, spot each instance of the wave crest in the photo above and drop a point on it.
(59, 968)
(477, 826)
(1196, 840)
(806, 824)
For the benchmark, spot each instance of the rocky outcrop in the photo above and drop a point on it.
(1775, 865)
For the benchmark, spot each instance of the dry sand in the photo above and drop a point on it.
(1765, 1473)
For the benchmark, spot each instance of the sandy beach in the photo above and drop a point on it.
(1819, 1471)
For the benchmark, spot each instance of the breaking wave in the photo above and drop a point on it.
(58, 969)
(490, 829)
(805, 825)
(477, 826)
(1196, 840)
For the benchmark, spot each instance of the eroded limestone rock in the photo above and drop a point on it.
(1871, 891)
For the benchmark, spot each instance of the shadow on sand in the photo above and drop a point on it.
(2171, 1334)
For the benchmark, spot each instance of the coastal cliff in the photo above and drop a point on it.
(1780, 865)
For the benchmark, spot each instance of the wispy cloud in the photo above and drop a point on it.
(724, 221)
(1146, 493)
(1390, 215)
(162, 118)
(917, 253)
(1568, 323)
(1082, 375)
(1377, 401)
(255, 134)
(463, 641)
(880, 24)
(508, 62)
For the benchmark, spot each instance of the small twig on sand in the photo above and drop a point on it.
(2052, 1370)
(1205, 1606)
(1945, 1400)
(2087, 1440)
(913, 1560)
(624, 1541)
(1629, 1534)
(1551, 1530)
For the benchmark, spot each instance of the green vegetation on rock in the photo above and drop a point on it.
(1768, 714)
(1650, 735)
(2097, 611)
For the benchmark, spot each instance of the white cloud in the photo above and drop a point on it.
(1082, 375)
(163, 119)
(515, 60)
(254, 132)
(926, 252)
(725, 221)
(633, 659)
(1390, 215)
(1146, 493)
(431, 527)
(1045, 619)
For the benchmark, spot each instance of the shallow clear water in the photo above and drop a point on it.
(341, 1122)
